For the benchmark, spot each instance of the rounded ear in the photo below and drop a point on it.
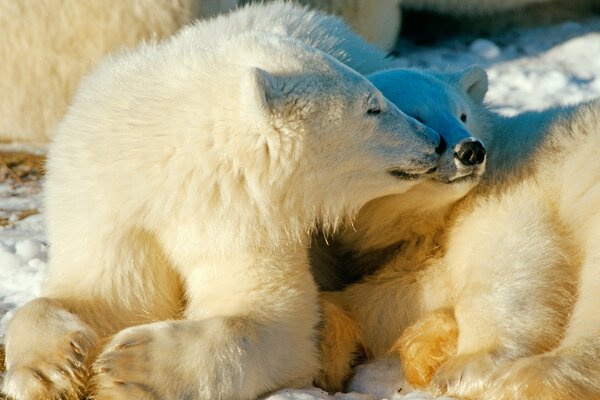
(260, 90)
(474, 81)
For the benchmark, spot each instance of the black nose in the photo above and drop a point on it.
(470, 153)
(441, 147)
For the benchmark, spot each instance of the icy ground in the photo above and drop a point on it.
(528, 69)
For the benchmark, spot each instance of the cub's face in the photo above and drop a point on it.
(347, 142)
(451, 104)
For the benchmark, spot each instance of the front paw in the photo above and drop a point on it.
(341, 345)
(134, 364)
(425, 345)
(57, 372)
(464, 375)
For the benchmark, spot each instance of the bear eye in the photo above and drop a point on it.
(374, 110)
(463, 117)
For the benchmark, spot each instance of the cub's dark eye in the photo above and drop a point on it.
(463, 117)
(375, 110)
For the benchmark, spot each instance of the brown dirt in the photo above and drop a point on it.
(20, 167)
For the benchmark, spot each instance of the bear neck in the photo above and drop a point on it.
(514, 142)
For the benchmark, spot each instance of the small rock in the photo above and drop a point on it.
(485, 49)
(27, 249)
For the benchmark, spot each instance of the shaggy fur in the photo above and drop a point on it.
(182, 188)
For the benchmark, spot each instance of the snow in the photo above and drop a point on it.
(528, 69)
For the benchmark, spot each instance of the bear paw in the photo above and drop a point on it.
(131, 367)
(425, 345)
(464, 375)
(57, 374)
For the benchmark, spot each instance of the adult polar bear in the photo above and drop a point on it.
(521, 276)
(379, 21)
(47, 46)
(62, 41)
(181, 191)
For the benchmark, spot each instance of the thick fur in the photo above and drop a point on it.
(63, 42)
(515, 250)
(378, 21)
(182, 188)
(525, 294)
(49, 45)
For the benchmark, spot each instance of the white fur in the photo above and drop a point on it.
(49, 45)
(63, 42)
(182, 188)
(514, 251)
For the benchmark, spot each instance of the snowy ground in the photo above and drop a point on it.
(528, 69)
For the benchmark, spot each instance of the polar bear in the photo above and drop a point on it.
(181, 191)
(63, 41)
(394, 236)
(49, 45)
(521, 277)
(379, 21)
(490, 278)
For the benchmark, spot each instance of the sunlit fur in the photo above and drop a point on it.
(51, 44)
(48, 45)
(505, 257)
(181, 191)
(522, 261)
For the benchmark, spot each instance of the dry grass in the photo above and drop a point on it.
(20, 170)
(20, 167)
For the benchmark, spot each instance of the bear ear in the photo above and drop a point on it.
(261, 91)
(474, 81)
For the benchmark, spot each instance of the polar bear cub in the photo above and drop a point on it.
(182, 188)
(503, 282)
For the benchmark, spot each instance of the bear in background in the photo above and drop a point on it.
(182, 188)
(47, 46)
(50, 45)
(379, 21)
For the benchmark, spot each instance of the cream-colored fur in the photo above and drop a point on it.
(50, 45)
(47, 46)
(508, 263)
(523, 265)
(182, 188)
(378, 21)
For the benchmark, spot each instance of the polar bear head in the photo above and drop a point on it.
(452, 104)
(322, 136)
(260, 135)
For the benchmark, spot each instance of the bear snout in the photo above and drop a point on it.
(470, 152)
